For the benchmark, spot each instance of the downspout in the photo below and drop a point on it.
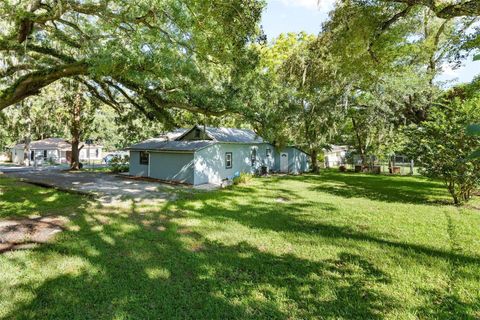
(148, 168)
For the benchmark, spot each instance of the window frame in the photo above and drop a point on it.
(268, 152)
(231, 160)
(144, 161)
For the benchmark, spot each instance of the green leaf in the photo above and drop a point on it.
(476, 57)
(473, 130)
(475, 154)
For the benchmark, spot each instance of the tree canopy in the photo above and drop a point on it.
(153, 54)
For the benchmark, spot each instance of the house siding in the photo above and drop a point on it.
(297, 160)
(137, 169)
(210, 162)
(52, 155)
(83, 154)
(17, 156)
(207, 163)
(172, 166)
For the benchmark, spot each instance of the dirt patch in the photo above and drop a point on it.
(281, 200)
(17, 234)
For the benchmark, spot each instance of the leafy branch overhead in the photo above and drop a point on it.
(153, 54)
(445, 9)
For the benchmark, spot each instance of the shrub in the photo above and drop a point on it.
(120, 164)
(443, 148)
(243, 178)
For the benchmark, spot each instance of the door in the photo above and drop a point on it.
(284, 162)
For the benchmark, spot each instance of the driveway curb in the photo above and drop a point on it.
(51, 186)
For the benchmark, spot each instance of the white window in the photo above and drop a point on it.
(228, 160)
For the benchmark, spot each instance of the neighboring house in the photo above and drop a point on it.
(5, 157)
(335, 156)
(55, 150)
(210, 155)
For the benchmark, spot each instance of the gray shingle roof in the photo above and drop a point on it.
(46, 144)
(50, 144)
(162, 145)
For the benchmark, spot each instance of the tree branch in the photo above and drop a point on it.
(385, 25)
(468, 8)
(32, 83)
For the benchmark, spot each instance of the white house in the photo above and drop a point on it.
(54, 150)
(335, 156)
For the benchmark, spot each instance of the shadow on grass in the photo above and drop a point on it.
(18, 200)
(404, 189)
(141, 264)
(172, 272)
(289, 218)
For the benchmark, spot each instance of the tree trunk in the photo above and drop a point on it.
(360, 147)
(314, 160)
(75, 160)
(75, 130)
(451, 189)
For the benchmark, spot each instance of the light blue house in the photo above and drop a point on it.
(210, 155)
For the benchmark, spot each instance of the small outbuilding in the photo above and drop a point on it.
(203, 155)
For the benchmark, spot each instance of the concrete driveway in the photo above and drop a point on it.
(108, 188)
(9, 168)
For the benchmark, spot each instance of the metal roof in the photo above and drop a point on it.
(229, 135)
(163, 145)
(234, 135)
(173, 135)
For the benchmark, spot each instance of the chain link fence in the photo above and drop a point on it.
(398, 164)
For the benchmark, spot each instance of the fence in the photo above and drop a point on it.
(385, 168)
(397, 165)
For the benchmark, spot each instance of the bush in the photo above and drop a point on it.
(243, 178)
(443, 148)
(120, 164)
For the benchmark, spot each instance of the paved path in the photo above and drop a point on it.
(16, 168)
(109, 188)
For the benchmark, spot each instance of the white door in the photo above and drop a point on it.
(284, 162)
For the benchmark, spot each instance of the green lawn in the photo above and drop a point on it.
(333, 246)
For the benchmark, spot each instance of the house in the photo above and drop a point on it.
(210, 155)
(335, 156)
(55, 150)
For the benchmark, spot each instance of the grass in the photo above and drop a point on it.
(332, 246)
(105, 169)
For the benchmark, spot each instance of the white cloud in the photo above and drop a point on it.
(309, 4)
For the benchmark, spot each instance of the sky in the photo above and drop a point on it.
(282, 16)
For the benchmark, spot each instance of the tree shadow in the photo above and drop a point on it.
(20, 199)
(289, 218)
(141, 263)
(138, 270)
(402, 189)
